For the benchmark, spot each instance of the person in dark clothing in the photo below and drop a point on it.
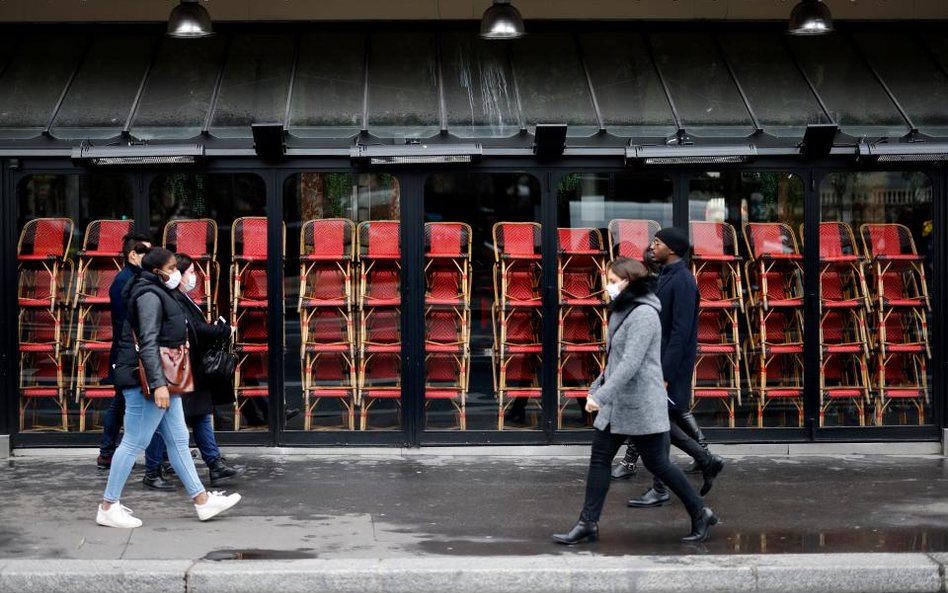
(631, 399)
(678, 293)
(155, 321)
(134, 247)
(198, 406)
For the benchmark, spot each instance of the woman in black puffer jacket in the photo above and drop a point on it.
(157, 321)
(199, 406)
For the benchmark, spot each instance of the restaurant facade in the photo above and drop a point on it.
(408, 225)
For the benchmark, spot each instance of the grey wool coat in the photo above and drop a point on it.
(630, 391)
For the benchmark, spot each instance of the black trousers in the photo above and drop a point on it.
(653, 449)
(682, 438)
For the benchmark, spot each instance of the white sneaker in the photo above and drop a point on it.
(117, 516)
(217, 503)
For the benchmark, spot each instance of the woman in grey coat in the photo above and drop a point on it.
(632, 403)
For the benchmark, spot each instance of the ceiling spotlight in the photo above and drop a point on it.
(502, 21)
(189, 20)
(810, 17)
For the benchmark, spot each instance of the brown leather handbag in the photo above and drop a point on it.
(176, 365)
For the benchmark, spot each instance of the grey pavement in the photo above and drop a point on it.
(366, 521)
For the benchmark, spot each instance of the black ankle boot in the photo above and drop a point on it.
(651, 498)
(710, 472)
(701, 526)
(583, 530)
(154, 480)
(626, 468)
(221, 472)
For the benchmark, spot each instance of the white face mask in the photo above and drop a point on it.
(174, 280)
(190, 281)
(613, 289)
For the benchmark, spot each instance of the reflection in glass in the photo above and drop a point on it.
(102, 94)
(552, 84)
(876, 246)
(776, 90)
(255, 85)
(68, 254)
(479, 93)
(600, 216)
(178, 93)
(749, 370)
(329, 88)
(628, 90)
(403, 85)
(482, 310)
(343, 293)
(835, 69)
(33, 82)
(711, 107)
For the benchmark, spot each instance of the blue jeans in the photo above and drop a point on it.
(204, 437)
(142, 419)
(112, 423)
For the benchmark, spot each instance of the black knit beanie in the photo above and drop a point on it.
(676, 239)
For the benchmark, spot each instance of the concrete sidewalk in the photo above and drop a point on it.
(384, 522)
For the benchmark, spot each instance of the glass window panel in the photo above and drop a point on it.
(347, 342)
(255, 85)
(775, 89)
(185, 211)
(590, 205)
(921, 89)
(872, 214)
(479, 92)
(329, 90)
(403, 86)
(33, 83)
(552, 84)
(179, 88)
(739, 382)
(63, 367)
(101, 96)
(630, 95)
(705, 96)
(938, 44)
(854, 98)
(497, 373)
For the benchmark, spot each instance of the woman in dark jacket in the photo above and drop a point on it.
(631, 400)
(157, 321)
(198, 406)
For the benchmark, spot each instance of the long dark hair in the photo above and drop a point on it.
(184, 262)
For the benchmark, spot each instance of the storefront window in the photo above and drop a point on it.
(600, 216)
(876, 247)
(69, 228)
(220, 221)
(342, 284)
(483, 348)
(749, 370)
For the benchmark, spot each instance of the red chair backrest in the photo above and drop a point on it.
(519, 239)
(713, 238)
(46, 237)
(250, 234)
(447, 239)
(192, 237)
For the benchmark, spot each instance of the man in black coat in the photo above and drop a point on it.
(678, 293)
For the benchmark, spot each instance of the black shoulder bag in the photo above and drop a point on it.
(219, 360)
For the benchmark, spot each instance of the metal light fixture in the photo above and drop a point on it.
(139, 154)
(810, 17)
(416, 154)
(189, 20)
(924, 152)
(502, 21)
(690, 155)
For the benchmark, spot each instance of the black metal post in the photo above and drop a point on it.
(276, 342)
(412, 188)
(549, 181)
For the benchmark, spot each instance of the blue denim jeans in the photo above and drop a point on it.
(112, 423)
(142, 419)
(204, 437)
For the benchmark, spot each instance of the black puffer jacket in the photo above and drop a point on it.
(203, 335)
(158, 321)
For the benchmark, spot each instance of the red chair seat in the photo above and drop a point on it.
(382, 392)
(30, 347)
(39, 392)
(253, 391)
(36, 257)
(904, 392)
(581, 347)
(310, 302)
(330, 392)
(523, 392)
(716, 348)
(246, 348)
(711, 392)
(785, 348)
(340, 347)
(382, 348)
(442, 393)
(843, 392)
(888, 302)
(784, 392)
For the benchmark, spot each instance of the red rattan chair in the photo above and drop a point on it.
(250, 379)
(43, 264)
(380, 263)
(519, 378)
(716, 265)
(329, 375)
(379, 379)
(41, 378)
(575, 373)
(776, 269)
(898, 269)
(901, 377)
(844, 378)
(446, 378)
(197, 238)
(92, 384)
(630, 238)
(447, 264)
(327, 250)
(717, 378)
(517, 264)
(776, 378)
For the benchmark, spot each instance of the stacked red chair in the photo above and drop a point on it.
(631, 237)
(100, 261)
(44, 275)
(843, 300)
(448, 315)
(327, 255)
(583, 320)
(774, 353)
(248, 282)
(900, 305)
(380, 300)
(197, 238)
(516, 313)
(716, 266)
